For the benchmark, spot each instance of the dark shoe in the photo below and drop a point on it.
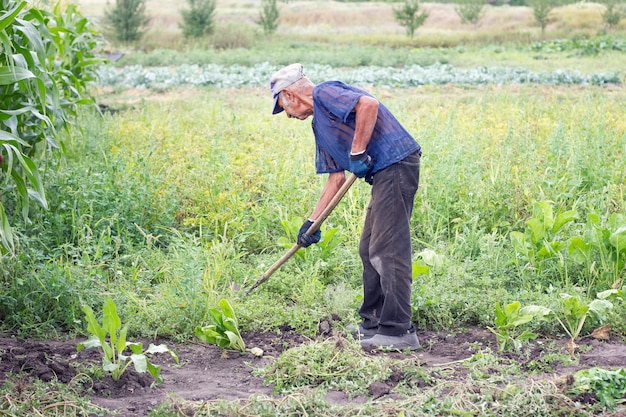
(359, 332)
(402, 342)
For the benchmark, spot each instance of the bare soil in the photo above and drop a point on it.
(206, 372)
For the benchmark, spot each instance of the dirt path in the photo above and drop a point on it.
(206, 373)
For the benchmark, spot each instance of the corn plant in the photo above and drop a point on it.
(111, 338)
(223, 332)
(46, 64)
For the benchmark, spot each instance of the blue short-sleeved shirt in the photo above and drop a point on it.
(334, 125)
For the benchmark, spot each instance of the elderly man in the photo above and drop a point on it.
(355, 132)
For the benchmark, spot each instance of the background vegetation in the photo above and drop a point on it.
(174, 198)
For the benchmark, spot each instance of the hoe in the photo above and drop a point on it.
(314, 227)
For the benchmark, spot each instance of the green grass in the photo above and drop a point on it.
(182, 196)
(176, 198)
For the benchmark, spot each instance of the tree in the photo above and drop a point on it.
(541, 12)
(408, 17)
(127, 19)
(199, 20)
(613, 13)
(470, 11)
(268, 19)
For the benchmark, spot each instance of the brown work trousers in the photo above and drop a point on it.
(385, 248)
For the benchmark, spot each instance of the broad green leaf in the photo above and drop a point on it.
(526, 336)
(136, 348)
(9, 16)
(207, 334)
(227, 310)
(93, 326)
(538, 312)
(111, 321)
(501, 318)
(217, 317)
(562, 219)
(518, 321)
(155, 371)
(537, 230)
(573, 307)
(419, 268)
(92, 342)
(579, 250)
(609, 294)
(121, 341)
(235, 341)
(110, 366)
(618, 238)
(6, 233)
(432, 259)
(152, 348)
(11, 75)
(599, 309)
(140, 362)
(547, 214)
(518, 241)
(512, 309)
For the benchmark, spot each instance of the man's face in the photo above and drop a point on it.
(293, 106)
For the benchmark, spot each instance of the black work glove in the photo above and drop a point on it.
(361, 164)
(305, 240)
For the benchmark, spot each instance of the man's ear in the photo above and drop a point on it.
(287, 96)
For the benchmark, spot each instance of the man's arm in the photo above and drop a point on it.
(333, 184)
(366, 110)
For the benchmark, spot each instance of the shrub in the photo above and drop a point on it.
(613, 12)
(199, 20)
(470, 11)
(268, 18)
(408, 17)
(127, 19)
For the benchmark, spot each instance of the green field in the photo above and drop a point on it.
(177, 197)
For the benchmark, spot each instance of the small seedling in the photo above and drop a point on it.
(223, 332)
(507, 321)
(114, 360)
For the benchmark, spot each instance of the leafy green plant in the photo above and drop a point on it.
(507, 321)
(327, 244)
(572, 313)
(542, 240)
(608, 385)
(199, 19)
(268, 18)
(224, 331)
(613, 12)
(127, 19)
(47, 62)
(409, 18)
(114, 359)
(602, 248)
(470, 11)
(541, 12)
